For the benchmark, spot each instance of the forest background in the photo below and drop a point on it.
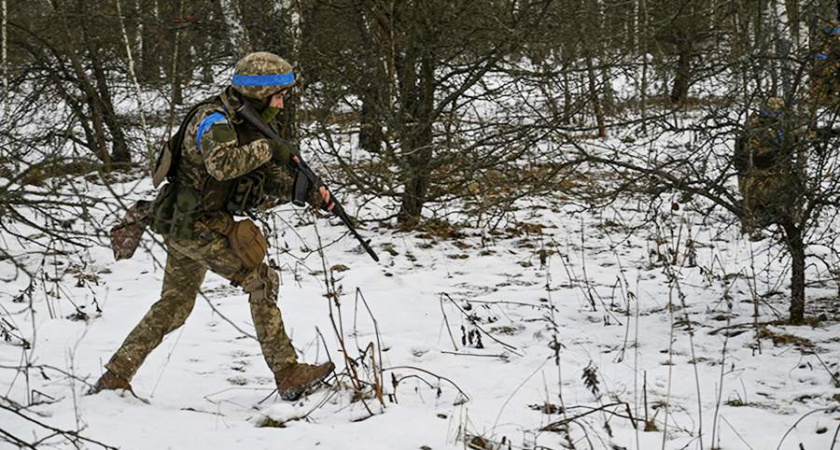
(433, 115)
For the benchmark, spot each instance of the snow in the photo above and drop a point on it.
(683, 354)
(586, 277)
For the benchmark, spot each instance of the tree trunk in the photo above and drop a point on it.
(120, 152)
(417, 143)
(233, 19)
(138, 36)
(370, 122)
(177, 96)
(150, 154)
(567, 93)
(794, 22)
(643, 49)
(97, 139)
(796, 247)
(152, 38)
(607, 100)
(595, 98)
(374, 81)
(291, 111)
(682, 77)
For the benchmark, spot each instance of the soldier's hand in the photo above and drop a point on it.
(280, 154)
(325, 195)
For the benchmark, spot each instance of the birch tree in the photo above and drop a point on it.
(138, 91)
(236, 31)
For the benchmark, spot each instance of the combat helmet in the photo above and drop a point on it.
(773, 106)
(261, 74)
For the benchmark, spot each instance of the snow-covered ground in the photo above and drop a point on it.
(487, 336)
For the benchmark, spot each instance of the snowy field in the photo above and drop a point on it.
(560, 329)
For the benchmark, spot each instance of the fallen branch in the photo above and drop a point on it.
(563, 423)
(69, 435)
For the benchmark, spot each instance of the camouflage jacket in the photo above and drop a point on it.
(768, 142)
(220, 150)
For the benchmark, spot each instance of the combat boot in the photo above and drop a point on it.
(295, 379)
(110, 381)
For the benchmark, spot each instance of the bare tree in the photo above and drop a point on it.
(233, 18)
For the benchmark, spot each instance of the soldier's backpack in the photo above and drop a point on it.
(169, 154)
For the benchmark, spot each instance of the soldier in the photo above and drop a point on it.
(825, 71)
(767, 158)
(222, 167)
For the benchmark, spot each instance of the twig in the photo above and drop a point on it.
(446, 322)
(439, 377)
(558, 425)
(833, 376)
(511, 348)
(792, 427)
(66, 434)
(500, 355)
(381, 376)
(737, 433)
(333, 298)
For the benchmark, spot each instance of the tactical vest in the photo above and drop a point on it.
(184, 200)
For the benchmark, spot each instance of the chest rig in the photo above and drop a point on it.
(185, 198)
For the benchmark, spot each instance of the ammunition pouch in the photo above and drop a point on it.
(187, 209)
(247, 194)
(248, 243)
(175, 211)
(163, 209)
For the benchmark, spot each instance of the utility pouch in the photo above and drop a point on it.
(126, 235)
(248, 193)
(187, 209)
(163, 209)
(248, 243)
(302, 190)
(219, 222)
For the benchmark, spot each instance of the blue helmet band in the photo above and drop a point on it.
(264, 80)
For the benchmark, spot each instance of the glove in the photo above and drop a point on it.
(280, 154)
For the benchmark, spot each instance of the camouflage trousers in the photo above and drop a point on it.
(186, 265)
(769, 197)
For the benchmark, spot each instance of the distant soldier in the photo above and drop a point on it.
(769, 161)
(219, 167)
(825, 73)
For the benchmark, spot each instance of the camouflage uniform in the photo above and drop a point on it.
(218, 154)
(825, 73)
(766, 158)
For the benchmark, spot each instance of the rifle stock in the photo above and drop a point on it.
(247, 112)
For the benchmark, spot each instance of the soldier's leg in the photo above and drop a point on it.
(261, 284)
(181, 282)
(293, 379)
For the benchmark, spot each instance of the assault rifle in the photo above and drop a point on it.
(250, 114)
